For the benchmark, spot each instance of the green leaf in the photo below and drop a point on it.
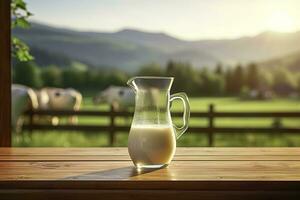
(20, 4)
(22, 22)
(13, 25)
(21, 50)
(29, 14)
(20, 14)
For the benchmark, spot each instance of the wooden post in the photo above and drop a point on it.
(5, 74)
(210, 125)
(112, 126)
(31, 121)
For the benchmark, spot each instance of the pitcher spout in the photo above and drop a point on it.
(146, 82)
(131, 83)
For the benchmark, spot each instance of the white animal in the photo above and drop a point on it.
(23, 98)
(60, 99)
(121, 98)
(43, 99)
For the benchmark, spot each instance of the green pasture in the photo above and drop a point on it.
(80, 139)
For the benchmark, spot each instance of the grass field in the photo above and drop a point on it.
(68, 139)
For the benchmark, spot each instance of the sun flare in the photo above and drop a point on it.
(281, 22)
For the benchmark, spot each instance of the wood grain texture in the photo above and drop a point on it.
(189, 164)
(178, 170)
(146, 195)
(210, 173)
(5, 75)
(184, 151)
(67, 158)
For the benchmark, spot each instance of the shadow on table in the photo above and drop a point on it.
(112, 174)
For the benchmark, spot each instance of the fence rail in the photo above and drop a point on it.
(210, 130)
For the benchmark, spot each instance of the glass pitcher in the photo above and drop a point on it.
(152, 137)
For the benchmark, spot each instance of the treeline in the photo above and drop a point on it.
(218, 81)
(28, 73)
(227, 81)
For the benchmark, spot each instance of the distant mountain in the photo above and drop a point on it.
(291, 62)
(128, 49)
(45, 58)
(264, 46)
(95, 51)
(159, 41)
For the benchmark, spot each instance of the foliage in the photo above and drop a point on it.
(252, 79)
(117, 78)
(72, 78)
(211, 84)
(229, 81)
(27, 73)
(298, 84)
(244, 94)
(219, 69)
(283, 82)
(151, 69)
(20, 15)
(238, 77)
(52, 76)
(186, 78)
(232, 81)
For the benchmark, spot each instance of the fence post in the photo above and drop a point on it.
(211, 125)
(112, 126)
(31, 121)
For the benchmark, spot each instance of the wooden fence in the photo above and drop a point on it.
(211, 115)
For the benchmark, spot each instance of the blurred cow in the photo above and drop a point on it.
(23, 98)
(121, 98)
(59, 99)
(43, 99)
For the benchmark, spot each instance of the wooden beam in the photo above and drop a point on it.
(217, 114)
(5, 74)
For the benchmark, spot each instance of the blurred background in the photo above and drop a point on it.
(229, 56)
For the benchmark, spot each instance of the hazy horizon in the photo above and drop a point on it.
(186, 20)
(155, 32)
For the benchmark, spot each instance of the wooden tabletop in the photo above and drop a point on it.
(226, 171)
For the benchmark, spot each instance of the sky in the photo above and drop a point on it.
(184, 19)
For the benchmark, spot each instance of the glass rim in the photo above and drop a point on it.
(153, 77)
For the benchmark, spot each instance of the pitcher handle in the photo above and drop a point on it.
(186, 113)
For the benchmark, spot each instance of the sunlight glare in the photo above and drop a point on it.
(281, 22)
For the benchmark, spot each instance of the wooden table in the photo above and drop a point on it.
(108, 173)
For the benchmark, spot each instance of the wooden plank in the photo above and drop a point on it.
(224, 130)
(295, 114)
(184, 151)
(200, 185)
(44, 151)
(106, 128)
(178, 170)
(146, 194)
(72, 158)
(256, 114)
(211, 126)
(112, 127)
(79, 113)
(68, 127)
(210, 173)
(244, 151)
(188, 164)
(5, 74)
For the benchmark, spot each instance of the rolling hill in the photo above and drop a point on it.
(128, 49)
(291, 62)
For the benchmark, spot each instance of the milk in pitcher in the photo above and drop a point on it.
(151, 145)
